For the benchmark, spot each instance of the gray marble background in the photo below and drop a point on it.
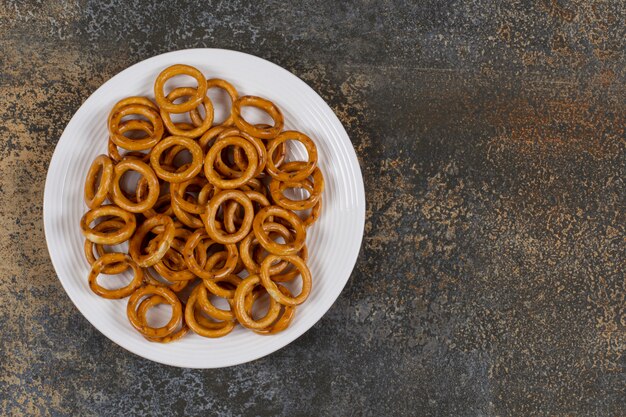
(491, 277)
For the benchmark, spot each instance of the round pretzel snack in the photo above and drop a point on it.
(205, 328)
(192, 170)
(117, 194)
(179, 69)
(186, 130)
(112, 259)
(294, 221)
(315, 188)
(272, 287)
(142, 327)
(230, 90)
(209, 217)
(303, 171)
(95, 195)
(244, 315)
(142, 311)
(105, 226)
(108, 238)
(284, 319)
(246, 175)
(118, 138)
(162, 246)
(265, 105)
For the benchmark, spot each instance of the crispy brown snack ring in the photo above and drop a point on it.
(131, 164)
(209, 217)
(204, 270)
(272, 287)
(205, 328)
(95, 195)
(166, 237)
(232, 93)
(108, 238)
(243, 315)
(303, 171)
(154, 134)
(186, 130)
(169, 297)
(112, 259)
(164, 103)
(105, 226)
(265, 105)
(192, 170)
(315, 188)
(142, 311)
(209, 163)
(284, 319)
(294, 221)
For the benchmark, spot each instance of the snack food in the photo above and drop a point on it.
(207, 218)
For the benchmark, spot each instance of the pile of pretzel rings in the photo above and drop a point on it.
(208, 217)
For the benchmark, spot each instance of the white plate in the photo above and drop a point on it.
(333, 242)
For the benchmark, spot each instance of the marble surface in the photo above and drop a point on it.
(491, 279)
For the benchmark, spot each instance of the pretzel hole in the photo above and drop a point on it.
(296, 193)
(222, 104)
(295, 151)
(159, 315)
(128, 183)
(254, 115)
(114, 282)
(261, 306)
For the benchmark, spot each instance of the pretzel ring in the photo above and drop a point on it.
(95, 196)
(210, 134)
(136, 144)
(192, 170)
(315, 189)
(210, 222)
(232, 93)
(276, 270)
(204, 302)
(188, 219)
(231, 209)
(284, 319)
(142, 311)
(153, 186)
(191, 131)
(265, 105)
(205, 328)
(105, 226)
(142, 327)
(243, 289)
(108, 238)
(163, 245)
(294, 221)
(271, 286)
(303, 171)
(201, 270)
(128, 101)
(114, 153)
(246, 175)
(238, 155)
(112, 259)
(193, 102)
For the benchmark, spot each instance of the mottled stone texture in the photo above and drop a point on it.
(491, 277)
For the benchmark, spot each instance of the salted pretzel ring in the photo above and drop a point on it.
(315, 187)
(108, 238)
(179, 189)
(173, 266)
(230, 90)
(142, 327)
(304, 170)
(151, 179)
(165, 240)
(271, 286)
(205, 328)
(246, 175)
(239, 157)
(105, 226)
(154, 136)
(129, 101)
(186, 130)
(243, 316)
(192, 170)
(164, 103)
(231, 209)
(263, 104)
(142, 311)
(204, 302)
(284, 319)
(213, 286)
(209, 217)
(95, 195)
(294, 221)
(113, 259)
